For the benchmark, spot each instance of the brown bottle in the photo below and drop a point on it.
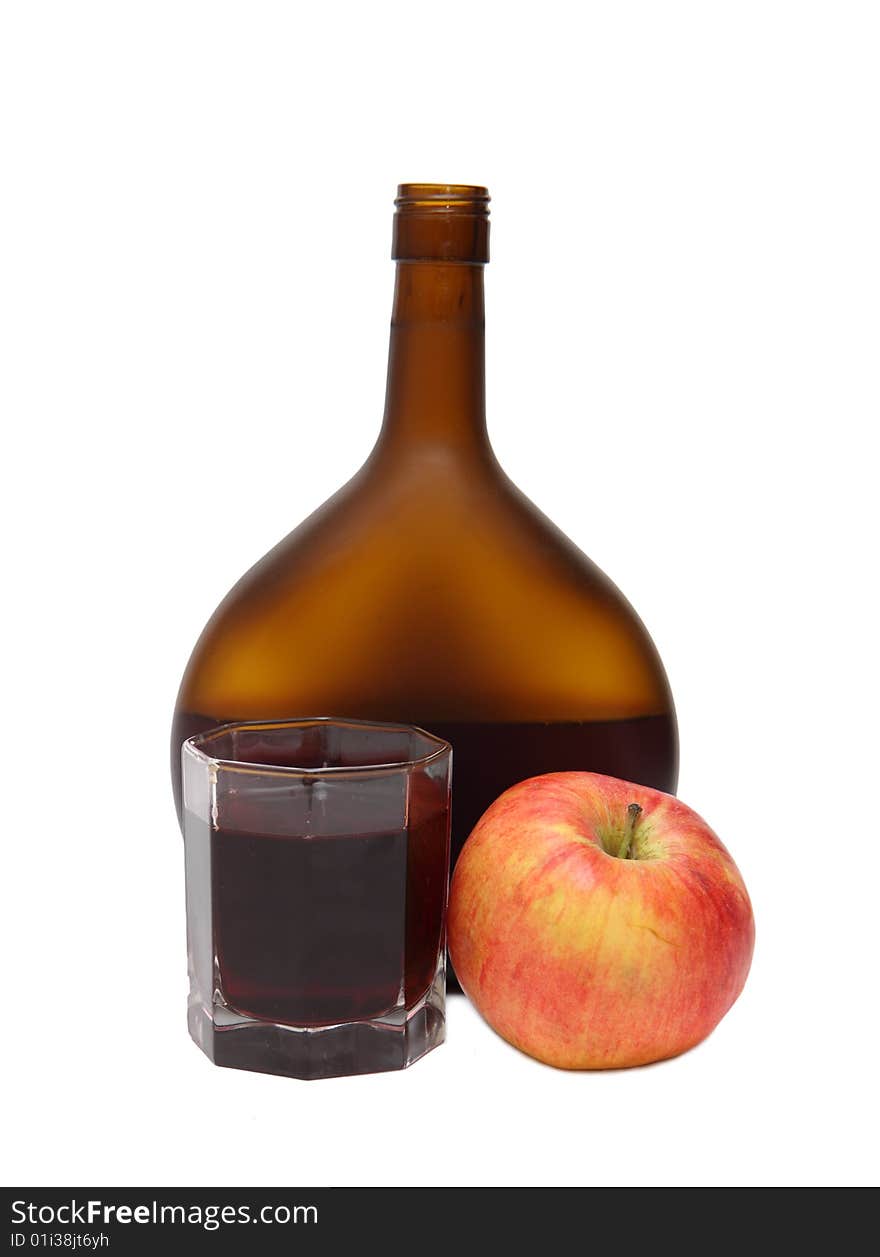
(429, 589)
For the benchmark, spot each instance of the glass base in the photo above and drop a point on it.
(393, 1041)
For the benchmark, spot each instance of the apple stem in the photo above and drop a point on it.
(633, 812)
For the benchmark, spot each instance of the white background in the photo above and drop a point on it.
(683, 339)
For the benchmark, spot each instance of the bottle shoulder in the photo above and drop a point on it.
(425, 580)
(432, 522)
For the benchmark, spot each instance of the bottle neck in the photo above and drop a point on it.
(435, 395)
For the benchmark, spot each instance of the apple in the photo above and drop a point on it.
(598, 924)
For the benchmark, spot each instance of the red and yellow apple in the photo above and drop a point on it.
(597, 924)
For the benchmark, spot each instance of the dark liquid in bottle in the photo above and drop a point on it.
(487, 758)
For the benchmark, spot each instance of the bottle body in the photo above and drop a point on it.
(430, 591)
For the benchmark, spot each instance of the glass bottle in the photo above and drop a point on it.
(429, 590)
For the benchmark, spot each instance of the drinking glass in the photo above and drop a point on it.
(317, 864)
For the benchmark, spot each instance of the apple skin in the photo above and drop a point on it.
(585, 960)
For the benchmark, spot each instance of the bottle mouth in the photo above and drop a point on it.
(441, 222)
(442, 198)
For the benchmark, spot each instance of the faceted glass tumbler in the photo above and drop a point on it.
(317, 867)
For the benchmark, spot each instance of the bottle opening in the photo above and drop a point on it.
(441, 222)
(442, 198)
